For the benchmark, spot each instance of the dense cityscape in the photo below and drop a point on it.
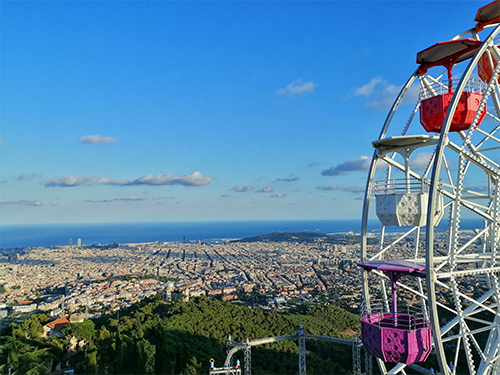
(177, 118)
(102, 279)
(75, 276)
(60, 288)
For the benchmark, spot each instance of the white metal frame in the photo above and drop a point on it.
(466, 325)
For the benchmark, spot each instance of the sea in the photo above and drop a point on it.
(47, 235)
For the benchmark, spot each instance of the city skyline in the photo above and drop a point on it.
(196, 111)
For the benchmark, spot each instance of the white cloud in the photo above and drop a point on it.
(381, 94)
(92, 139)
(350, 189)
(193, 179)
(361, 163)
(421, 161)
(279, 196)
(26, 202)
(312, 165)
(289, 179)
(267, 189)
(358, 164)
(385, 98)
(241, 189)
(68, 181)
(29, 176)
(367, 89)
(297, 87)
(129, 199)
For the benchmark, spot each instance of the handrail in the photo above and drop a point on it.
(401, 186)
(441, 87)
(409, 316)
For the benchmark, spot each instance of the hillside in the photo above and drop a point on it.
(308, 237)
(153, 337)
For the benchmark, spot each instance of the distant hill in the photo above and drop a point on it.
(308, 237)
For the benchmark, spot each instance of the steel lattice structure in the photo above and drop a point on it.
(368, 364)
(460, 182)
(301, 337)
(302, 353)
(248, 360)
(356, 359)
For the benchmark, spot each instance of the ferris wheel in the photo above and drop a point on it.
(431, 275)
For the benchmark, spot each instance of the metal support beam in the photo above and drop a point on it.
(302, 352)
(301, 337)
(248, 360)
(225, 370)
(368, 364)
(356, 358)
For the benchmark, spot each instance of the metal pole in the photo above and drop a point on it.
(248, 360)
(356, 357)
(302, 351)
(368, 364)
(394, 277)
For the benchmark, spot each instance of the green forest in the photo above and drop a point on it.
(155, 337)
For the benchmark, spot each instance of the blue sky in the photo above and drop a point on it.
(184, 111)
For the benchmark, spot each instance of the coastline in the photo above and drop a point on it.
(49, 235)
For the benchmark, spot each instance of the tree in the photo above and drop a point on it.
(91, 362)
(118, 353)
(103, 334)
(153, 337)
(82, 331)
(192, 368)
(13, 350)
(145, 357)
(32, 327)
(162, 360)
